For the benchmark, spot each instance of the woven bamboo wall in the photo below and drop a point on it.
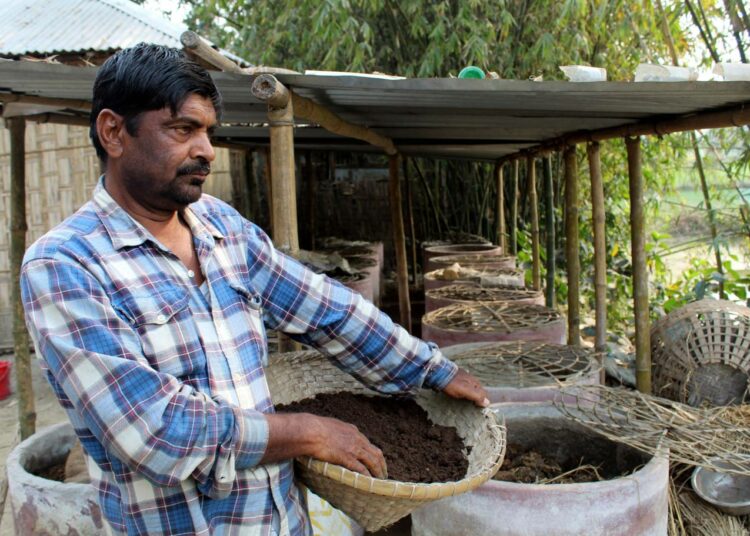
(61, 172)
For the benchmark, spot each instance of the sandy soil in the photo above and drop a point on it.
(48, 413)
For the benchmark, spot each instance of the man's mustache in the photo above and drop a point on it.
(199, 168)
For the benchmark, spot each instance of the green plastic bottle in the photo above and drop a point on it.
(471, 71)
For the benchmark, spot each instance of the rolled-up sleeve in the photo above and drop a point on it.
(151, 421)
(356, 335)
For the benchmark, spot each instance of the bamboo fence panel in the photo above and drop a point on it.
(61, 172)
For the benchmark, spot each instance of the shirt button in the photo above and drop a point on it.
(191, 273)
(161, 319)
(237, 378)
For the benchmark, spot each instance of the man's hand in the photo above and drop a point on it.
(464, 385)
(325, 439)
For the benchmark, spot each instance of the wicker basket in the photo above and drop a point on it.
(701, 353)
(454, 294)
(376, 503)
(492, 321)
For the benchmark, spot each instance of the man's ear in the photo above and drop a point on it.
(110, 127)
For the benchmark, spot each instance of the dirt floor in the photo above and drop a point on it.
(48, 412)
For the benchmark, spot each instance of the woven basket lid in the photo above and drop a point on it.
(480, 317)
(376, 503)
(524, 363)
(470, 293)
(701, 353)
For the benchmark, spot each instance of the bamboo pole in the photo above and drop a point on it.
(600, 251)
(711, 213)
(536, 271)
(283, 182)
(640, 273)
(549, 223)
(500, 210)
(410, 217)
(571, 245)
(399, 243)
(18, 229)
(514, 212)
(309, 187)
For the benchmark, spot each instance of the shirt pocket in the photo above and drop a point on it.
(168, 333)
(251, 308)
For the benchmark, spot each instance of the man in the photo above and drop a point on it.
(148, 307)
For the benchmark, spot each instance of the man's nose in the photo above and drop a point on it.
(203, 148)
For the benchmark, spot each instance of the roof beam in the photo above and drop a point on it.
(733, 117)
(267, 88)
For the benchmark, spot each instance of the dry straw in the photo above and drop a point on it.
(694, 436)
(376, 503)
(525, 364)
(470, 294)
(476, 261)
(492, 317)
(701, 353)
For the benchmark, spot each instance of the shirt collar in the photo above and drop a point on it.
(125, 231)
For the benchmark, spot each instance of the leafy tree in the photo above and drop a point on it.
(517, 39)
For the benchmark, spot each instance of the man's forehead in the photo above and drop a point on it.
(194, 107)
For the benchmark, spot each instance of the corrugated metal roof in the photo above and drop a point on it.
(483, 119)
(57, 26)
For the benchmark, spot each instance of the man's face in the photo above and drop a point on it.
(165, 164)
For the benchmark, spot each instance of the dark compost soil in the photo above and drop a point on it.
(415, 449)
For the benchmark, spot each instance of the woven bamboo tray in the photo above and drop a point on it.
(503, 262)
(377, 503)
(520, 371)
(461, 293)
(489, 277)
(701, 353)
(493, 321)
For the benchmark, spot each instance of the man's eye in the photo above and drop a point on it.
(183, 130)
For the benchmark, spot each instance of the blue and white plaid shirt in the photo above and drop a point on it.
(165, 384)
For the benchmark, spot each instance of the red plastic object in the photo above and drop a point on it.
(4, 379)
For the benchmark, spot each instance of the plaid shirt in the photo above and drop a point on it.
(165, 385)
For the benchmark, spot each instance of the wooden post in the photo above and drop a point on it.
(600, 249)
(18, 228)
(500, 211)
(410, 217)
(549, 224)
(536, 272)
(311, 178)
(514, 212)
(399, 243)
(571, 245)
(283, 182)
(640, 272)
(253, 192)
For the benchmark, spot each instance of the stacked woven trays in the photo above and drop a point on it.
(521, 371)
(464, 294)
(376, 503)
(701, 353)
(494, 321)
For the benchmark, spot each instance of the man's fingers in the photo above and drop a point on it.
(372, 457)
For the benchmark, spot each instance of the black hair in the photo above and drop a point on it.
(147, 77)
